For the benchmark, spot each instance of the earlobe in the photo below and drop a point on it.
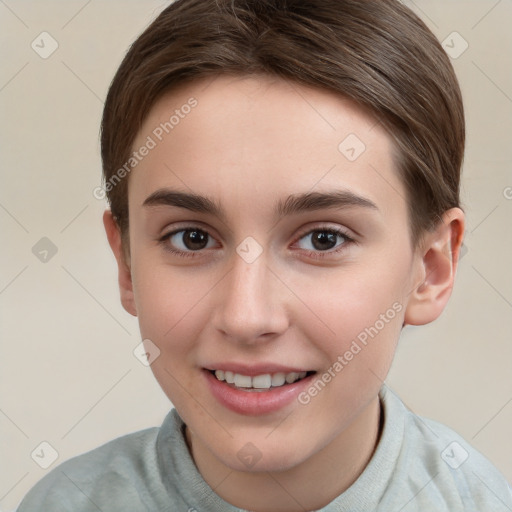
(124, 273)
(439, 258)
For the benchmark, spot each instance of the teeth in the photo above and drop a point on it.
(278, 379)
(242, 381)
(264, 381)
(291, 377)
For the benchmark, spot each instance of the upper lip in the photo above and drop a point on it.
(255, 369)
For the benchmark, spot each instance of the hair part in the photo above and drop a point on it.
(377, 53)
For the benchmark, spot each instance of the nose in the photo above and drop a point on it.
(250, 305)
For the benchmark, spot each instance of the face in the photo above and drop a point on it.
(268, 236)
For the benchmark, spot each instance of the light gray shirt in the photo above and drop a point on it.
(418, 465)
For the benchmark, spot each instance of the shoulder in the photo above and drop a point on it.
(440, 466)
(111, 473)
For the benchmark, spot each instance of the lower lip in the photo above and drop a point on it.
(255, 403)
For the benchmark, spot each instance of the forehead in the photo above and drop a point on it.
(249, 141)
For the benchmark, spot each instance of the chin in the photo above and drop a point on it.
(250, 459)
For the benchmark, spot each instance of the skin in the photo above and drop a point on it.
(250, 142)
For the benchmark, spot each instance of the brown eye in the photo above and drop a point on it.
(322, 240)
(190, 240)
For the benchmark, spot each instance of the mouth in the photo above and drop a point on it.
(253, 392)
(259, 383)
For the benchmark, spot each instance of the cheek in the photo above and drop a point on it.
(366, 317)
(357, 312)
(169, 306)
(171, 313)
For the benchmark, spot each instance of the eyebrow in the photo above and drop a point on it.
(293, 204)
(310, 201)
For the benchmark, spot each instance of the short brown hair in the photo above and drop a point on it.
(375, 52)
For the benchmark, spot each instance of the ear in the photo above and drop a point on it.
(124, 272)
(438, 259)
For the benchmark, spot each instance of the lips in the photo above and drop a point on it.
(256, 390)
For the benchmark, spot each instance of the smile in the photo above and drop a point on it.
(256, 382)
(259, 393)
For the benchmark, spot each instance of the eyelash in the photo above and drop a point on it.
(314, 254)
(348, 240)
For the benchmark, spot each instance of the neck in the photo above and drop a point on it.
(310, 485)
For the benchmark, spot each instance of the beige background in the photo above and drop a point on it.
(69, 376)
